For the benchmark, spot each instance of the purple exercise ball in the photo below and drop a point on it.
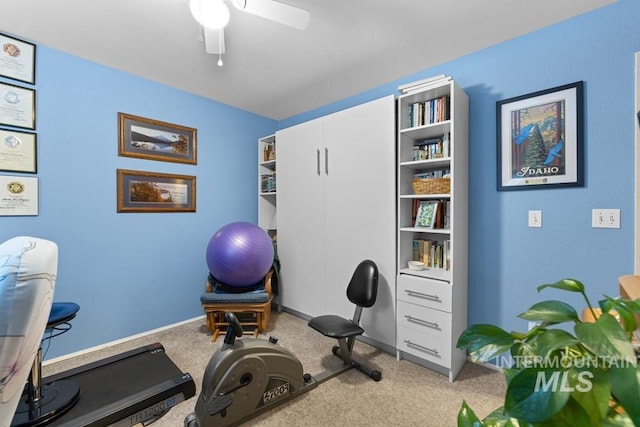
(240, 254)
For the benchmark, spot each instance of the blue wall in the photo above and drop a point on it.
(130, 272)
(136, 272)
(507, 260)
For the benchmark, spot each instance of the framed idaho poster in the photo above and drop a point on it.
(539, 142)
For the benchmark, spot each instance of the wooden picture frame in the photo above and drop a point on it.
(151, 139)
(17, 59)
(540, 139)
(140, 191)
(17, 106)
(18, 151)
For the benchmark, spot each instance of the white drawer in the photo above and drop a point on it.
(434, 349)
(426, 292)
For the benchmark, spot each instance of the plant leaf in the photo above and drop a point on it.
(593, 392)
(533, 394)
(625, 309)
(571, 415)
(551, 311)
(570, 285)
(606, 339)
(466, 417)
(485, 342)
(625, 385)
(554, 339)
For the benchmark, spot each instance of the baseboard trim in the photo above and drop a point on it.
(120, 341)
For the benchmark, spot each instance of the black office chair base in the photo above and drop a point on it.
(55, 400)
(372, 373)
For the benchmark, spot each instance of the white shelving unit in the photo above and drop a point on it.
(432, 303)
(267, 185)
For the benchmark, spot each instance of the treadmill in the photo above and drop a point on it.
(135, 387)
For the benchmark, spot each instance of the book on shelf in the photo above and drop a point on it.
(428, 112)
(432, 148)
(442, 213)
(268, 182)
(433, 253)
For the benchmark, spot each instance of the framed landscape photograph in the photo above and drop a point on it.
(18, 151)
(139, 191)
(540, 139)
(155, 140)
(17, 106)
(17, 59)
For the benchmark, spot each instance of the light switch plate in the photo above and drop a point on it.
(605, 218)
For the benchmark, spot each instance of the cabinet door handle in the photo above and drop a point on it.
(326, 161)
(318, 161)
(421, 347)
(421, 294)
(433, 325)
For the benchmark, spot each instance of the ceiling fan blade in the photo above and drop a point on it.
(214, 40)
(275, 11)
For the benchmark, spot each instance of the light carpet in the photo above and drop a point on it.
(408, 395)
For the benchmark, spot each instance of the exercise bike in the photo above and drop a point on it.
(247, 377)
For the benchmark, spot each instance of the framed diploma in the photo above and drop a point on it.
(17, 59)
(18, 196)
(17, 106)
(18, 151)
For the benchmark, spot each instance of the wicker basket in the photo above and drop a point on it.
(432, 186)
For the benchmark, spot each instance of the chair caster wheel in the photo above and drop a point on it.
(376, 375)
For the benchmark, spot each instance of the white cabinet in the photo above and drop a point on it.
(267, 184)
(433, 147)
(336, 207)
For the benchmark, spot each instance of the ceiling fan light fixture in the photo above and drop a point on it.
(212, 14)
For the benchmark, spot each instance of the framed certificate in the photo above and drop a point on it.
(17, 59)
(17, 106)
(18, 151)
(18, 196)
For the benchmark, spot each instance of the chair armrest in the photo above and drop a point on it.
(267, 281)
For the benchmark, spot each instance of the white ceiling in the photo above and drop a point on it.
(270, 69)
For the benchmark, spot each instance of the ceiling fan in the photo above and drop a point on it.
(213, 15)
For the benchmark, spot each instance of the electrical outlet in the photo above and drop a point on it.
(535, 218)
(605, 218)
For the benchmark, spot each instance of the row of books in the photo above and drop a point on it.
(428, 112)
(268, 182)
(441, 173)
(431, 213)
(434, 253)
(433, 148)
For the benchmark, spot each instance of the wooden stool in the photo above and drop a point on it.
(253, 309)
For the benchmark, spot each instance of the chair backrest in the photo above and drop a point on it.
(28, 269)
(363, 287)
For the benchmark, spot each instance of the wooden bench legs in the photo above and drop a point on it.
(254, 318)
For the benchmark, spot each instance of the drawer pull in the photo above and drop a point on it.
(423, 295)
(433, 325)
(421, 347)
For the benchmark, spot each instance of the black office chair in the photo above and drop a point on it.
(362, 291)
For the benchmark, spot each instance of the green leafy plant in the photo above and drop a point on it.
(555, 378)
